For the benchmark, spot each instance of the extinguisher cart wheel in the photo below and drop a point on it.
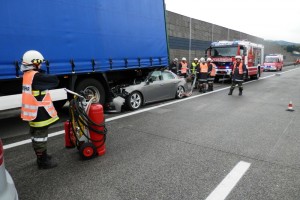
(87, 150)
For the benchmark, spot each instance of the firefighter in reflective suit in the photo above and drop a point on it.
(37, 107)
(212, 74)
(202, 75)
(238, 75)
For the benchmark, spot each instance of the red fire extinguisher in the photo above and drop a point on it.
(86, 128)
(98, 139)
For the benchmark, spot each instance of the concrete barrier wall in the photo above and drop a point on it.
(190, 37)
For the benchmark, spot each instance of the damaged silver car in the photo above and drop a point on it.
(157, 86)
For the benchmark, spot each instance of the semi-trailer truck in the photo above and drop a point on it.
(90, 45)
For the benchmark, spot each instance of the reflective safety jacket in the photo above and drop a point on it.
(30, 104)
(203, 68)
(193, 68)
(212, 69)
(183, 67)
(241, 71)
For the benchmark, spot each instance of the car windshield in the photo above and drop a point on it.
(271, 59)
(223, 51)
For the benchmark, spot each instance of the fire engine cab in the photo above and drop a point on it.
(223, 55)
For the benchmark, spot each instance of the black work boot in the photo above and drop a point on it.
(240, 91)
(44, 162)
(230, 91)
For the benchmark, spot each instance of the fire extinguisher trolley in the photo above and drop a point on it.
(86, 127)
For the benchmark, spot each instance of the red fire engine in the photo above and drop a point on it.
(223, 54)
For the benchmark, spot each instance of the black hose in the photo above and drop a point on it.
(78, 115)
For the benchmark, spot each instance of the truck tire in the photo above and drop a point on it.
(92, 87)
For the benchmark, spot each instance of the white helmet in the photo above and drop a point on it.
(208, 60)
(175, 60)
(31, 60)
(183, 58)
(238, 57)
(202, 59)
(195, 59)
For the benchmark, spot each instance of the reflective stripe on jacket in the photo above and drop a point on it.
(30, 105)
(240, 68)
(203, 68)
(183, 67)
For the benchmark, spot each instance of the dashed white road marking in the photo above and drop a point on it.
(229, 182)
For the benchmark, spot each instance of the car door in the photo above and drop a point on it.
(170, 84)
(153, 90)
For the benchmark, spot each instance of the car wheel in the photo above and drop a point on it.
(134, 101)
(179, 92)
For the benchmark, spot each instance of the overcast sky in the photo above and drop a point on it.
(268, 19)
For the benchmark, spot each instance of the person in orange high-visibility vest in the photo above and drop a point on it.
(238, 75)
(212, 74)
(202, 75)
(37, 107)
(183, 67)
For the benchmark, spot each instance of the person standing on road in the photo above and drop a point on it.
(211, 74)
(238, 75)
(203, 74)
(174, 66)
(37, 106)
(193, 69)
(183, 67)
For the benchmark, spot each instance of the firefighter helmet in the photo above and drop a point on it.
(238, 57)
(31, 60)
(202, 59)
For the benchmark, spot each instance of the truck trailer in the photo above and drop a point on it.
(89, 45)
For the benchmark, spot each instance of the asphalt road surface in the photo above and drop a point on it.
(208, 146)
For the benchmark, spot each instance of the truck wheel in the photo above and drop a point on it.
(134, 101)
(92, 87)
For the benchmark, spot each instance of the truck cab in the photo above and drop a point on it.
(223, 55)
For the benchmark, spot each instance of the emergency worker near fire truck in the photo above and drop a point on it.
(211, 74)
(37, 106)
(238, 75)
(174, 66)
(202, 75)
(193, 69)
(183, 67)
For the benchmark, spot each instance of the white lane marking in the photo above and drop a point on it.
(229, 182)
(142, 110)
(8, 146)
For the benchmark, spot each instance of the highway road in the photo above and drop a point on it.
(209, 146)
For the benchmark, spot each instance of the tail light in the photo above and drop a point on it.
(1, 152)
